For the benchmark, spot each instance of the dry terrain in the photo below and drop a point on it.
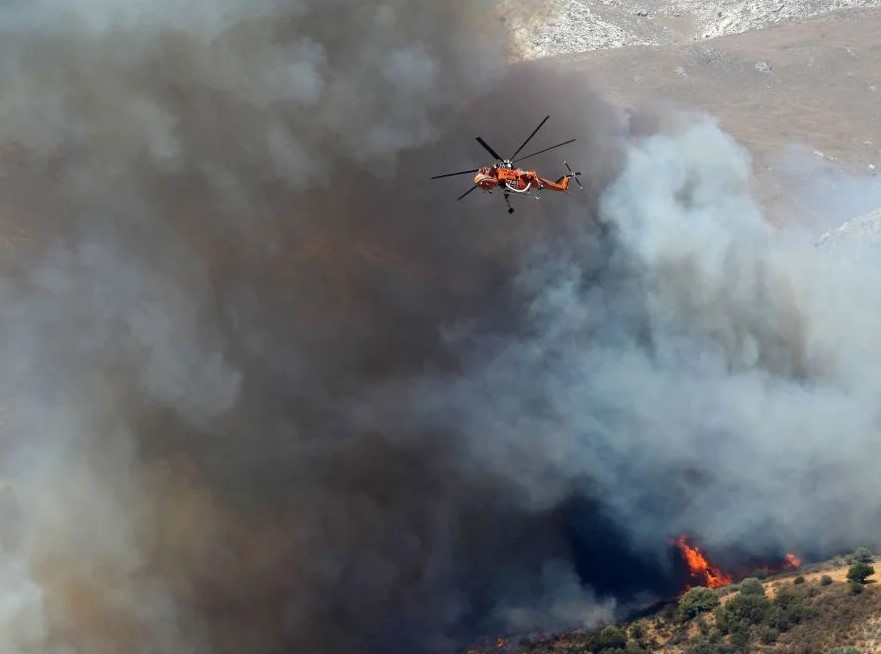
(803, 612)
(810, 86)
(543, 28)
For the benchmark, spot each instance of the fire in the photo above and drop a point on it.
(501, 642)
(699, 568)
(706, 574)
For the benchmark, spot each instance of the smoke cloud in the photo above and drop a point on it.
(269, 390)
(713, 376)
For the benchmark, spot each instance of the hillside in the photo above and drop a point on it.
(811, 611)
(572, 26)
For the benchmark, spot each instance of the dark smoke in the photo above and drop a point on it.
(269, 389)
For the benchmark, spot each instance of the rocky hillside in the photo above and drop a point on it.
(557, 27)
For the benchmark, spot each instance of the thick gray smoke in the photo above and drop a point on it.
(716, 377)
(268, 390)
(217, 234)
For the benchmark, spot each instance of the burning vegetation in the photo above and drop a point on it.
(702, 572)
(699, 568)
(822, 610)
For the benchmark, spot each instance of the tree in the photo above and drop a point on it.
(751, 586)
(859, 572)
(862, 555)
(696, 601)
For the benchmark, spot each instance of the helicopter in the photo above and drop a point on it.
(506, 175)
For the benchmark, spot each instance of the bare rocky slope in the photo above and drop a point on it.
(572, 26)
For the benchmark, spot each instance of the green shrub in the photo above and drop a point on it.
(859, 572)
(751, 586)
(696, 601)
(637, 631)
(745, 609)
(610, 637)
(855, 588)
(825, 580)
(798, 580)
(707, 647)
(844, 650)
(768, 635)
(789, 608)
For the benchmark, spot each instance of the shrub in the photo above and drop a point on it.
(862, 555)
(696, 601)
(789, 609)
(746, 609)
(859, 572)
(844, 650)
(751, 586)
(707, 647)
(855, 588)
(798, 580)
(825, 580)
(638, 632)
(768, 635)
(610, 637)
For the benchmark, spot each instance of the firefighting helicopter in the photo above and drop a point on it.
(513, 179)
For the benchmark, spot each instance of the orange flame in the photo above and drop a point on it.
(501, 642)
(793, 560)
(709, 575)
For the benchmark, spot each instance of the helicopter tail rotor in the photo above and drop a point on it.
(574, 175)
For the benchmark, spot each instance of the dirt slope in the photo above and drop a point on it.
(551, 27)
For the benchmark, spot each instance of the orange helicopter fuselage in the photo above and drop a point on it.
(516, 180)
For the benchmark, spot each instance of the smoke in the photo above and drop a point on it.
(712, 375)
(269, 390)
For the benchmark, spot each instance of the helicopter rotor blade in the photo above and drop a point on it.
(461, 172)
(546, 149)
(573, 174)
(535, 131)
(473, 188)
(489, 149)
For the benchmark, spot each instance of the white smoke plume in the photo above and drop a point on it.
(716, 377)
(268, 390)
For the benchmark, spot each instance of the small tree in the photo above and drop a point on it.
(859, 572)
(696, 601)
(751, 586)
(862, 555)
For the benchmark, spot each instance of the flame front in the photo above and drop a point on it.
(699, 568)
(793, 560)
